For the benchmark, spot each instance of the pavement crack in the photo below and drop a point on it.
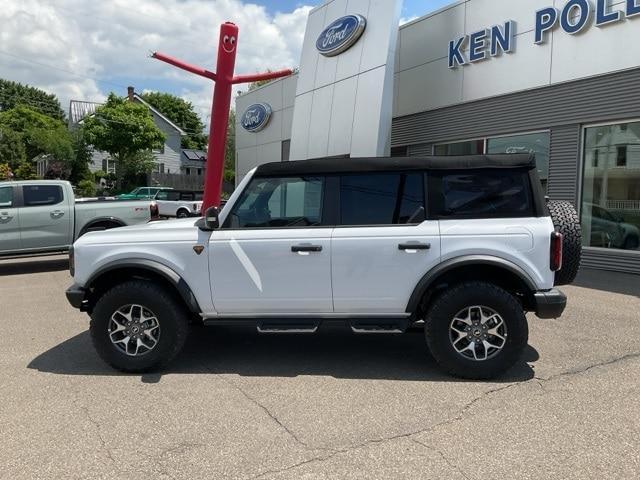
(444, 458)
(579, 371)
(332, 453)
(273, 417)
(98, 427)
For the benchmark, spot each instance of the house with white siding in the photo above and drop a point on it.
(167, 158)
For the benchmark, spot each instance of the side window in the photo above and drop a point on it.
(6, 197)
(481, 194)
(162, 195)
(382, 199)
(279, 203)
(41, 195)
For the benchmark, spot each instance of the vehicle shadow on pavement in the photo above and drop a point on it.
(32, 265)
(333, 351)
(614, 282)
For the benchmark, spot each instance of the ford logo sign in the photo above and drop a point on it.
(341, 35)
(256, 117)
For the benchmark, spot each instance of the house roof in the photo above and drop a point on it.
(78, 110)
(157, 112)
(196, 155)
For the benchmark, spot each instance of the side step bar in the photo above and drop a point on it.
(380, 325)
(391, 325)
(289, 325)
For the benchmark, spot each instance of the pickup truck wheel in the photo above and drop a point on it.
(182, 213)
(476, 330)
(567, 221)
(138, 326)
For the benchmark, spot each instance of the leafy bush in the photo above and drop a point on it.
(5, 171)
(25, 171)
(86, 188)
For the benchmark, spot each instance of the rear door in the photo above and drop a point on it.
(45, 216)
(9, 220)
(383, 244)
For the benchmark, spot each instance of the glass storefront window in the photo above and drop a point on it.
(473, 147)
(611, 186)
(536, 143)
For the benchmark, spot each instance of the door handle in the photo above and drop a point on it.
(306, 248)
(5, 217)
(57, 214)
(414, 246)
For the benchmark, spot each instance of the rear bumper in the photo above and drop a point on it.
(550, 303)
(77, 297)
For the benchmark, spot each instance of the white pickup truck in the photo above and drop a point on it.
(41, 216)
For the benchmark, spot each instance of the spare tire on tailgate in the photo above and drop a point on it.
(567, 222)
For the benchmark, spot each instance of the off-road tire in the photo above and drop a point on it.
(182, 213)
(567, 222)
(171, 315)
(448, 304)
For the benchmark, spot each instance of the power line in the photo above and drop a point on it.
(21, 59)
(41, 105)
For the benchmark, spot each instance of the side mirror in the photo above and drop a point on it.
(211, 220)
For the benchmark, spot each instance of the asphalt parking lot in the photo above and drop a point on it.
(333, 405)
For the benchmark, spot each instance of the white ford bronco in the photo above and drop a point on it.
(461, 247)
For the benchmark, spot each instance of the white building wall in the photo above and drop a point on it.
(255, 148)
(344, 103)
(423, 80)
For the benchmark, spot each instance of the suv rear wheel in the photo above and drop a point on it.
(138, 326)
(476, 330)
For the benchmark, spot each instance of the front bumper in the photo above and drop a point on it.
(77, 297)
(550, 303)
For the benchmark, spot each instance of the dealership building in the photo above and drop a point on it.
(559, 79)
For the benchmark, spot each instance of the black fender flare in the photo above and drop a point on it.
(157, 268)
(96, 220)
(427, 280)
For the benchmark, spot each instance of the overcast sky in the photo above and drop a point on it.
(83, 50)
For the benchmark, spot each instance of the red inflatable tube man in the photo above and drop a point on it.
(224, 80)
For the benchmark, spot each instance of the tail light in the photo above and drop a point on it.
(556, 251)
(153, 210)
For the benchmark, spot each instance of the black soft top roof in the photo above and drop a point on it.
(385, 164)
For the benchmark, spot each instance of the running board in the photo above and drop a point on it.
(360, 325)
(298, 325)
(379, 325)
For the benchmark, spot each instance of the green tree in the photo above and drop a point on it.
(12, 151)
(126, 131)
(13, 94)
(40, 133)
(181, 113)
(78, 166)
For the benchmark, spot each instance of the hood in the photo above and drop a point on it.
(152, 232)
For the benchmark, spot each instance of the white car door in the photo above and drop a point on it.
(273, 256)
(9, 220)
(383, 245)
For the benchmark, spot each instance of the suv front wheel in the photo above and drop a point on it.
(476, 330)
(138, 326)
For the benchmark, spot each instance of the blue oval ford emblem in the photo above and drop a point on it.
(256, 117)
(341, 35)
